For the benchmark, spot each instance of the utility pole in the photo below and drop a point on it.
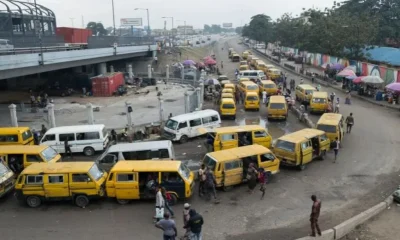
(72, 21)
(113, 14)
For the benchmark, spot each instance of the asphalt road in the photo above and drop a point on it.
(364, 174)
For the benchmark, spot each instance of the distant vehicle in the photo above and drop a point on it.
(260, 45)
(5, 44)
(202, 41)
(197, 42)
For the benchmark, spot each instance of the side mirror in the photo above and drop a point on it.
(88, 180)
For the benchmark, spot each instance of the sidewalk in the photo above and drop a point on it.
(295, 68)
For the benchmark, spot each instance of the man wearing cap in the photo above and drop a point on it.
(195, 223)
(186, 217)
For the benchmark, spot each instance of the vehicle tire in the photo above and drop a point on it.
(88, 151)
(173, 201)
(81, 201)
(33, 201)
(302, 167)
(227, 188)
(234, 117)
(184, 139)
(323, 154)
(122, 201)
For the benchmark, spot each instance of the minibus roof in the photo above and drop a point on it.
(268, 82)
(330, 119)
(146, 166)
(21, 149)
(301, 135)
(223, 130)
(277, 99)
(77, 128)
(137, 146)
(13, 130)
(306, 86)
(194, 115)
(240, 152)
(317, 94)
(59, 167)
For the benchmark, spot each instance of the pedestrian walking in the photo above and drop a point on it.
(349, 122)
(156, 60)
(284, 85)
(336, 145)
(264, 97)
(167, 198)
(67, 148)
(348, 98)
(202, 179)
(237, 96)
(241, 97)
(186, 217)
(251, 177)
(195, 224)
(263, 181)
(315, 211)
(319, 87)
(210, 184)
(312, 78)
(332, 96)
(168, 226)
(160, 203)
(337, 105)
(301, 81)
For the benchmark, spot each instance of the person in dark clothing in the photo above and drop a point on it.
(210, 184)
(67, 148)
(349, 122)
(114, 135)
(195, 224)
(44, 130)
(315, 210)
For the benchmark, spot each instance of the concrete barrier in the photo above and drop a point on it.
(326, 235)
(347, 226)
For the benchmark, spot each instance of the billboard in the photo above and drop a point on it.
(134, 22)
(227, 25)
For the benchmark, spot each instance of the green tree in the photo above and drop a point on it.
(239, 30)
(207, 28)
(261, 28)
(97, 28)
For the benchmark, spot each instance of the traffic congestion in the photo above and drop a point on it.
(241, 156)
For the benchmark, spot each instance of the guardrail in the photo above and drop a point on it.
(15, 51)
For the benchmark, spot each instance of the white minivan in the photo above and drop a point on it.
(81, 138)
(151, 150)
(185, 126)
(258, 74)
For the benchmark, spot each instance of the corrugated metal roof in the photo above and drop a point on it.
(385, 55)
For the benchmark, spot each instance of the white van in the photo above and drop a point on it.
(151, 150)
(81, 138)
(185, 126)
(259, 74)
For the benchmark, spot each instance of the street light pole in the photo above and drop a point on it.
(113, 14)
(40, 34)
(148, 20)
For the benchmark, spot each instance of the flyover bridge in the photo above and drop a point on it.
(12, 66)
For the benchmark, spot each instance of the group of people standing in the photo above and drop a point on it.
(192, 221)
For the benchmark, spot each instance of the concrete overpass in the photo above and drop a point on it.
(12, 66)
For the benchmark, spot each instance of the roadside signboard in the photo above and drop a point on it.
(134, 22)
(227, 25)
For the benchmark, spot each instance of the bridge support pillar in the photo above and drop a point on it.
(50, 115)
(149, 71)
(129, 69)
(89, 109)
(13, 114)
(101, 68)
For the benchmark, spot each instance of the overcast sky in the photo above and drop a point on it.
(196, 13)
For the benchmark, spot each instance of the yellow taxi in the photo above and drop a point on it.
(319, 102)
(277, 108)
(227, 108)
(273, 73)
(252, 101)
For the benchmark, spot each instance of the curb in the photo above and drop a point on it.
(349, 225)
(325, 84)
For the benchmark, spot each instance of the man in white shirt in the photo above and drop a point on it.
(336, 148)
(264, 97)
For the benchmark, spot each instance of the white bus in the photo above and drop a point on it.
(81, 138)
(185, 126)
(151, 150)
(258, 74)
